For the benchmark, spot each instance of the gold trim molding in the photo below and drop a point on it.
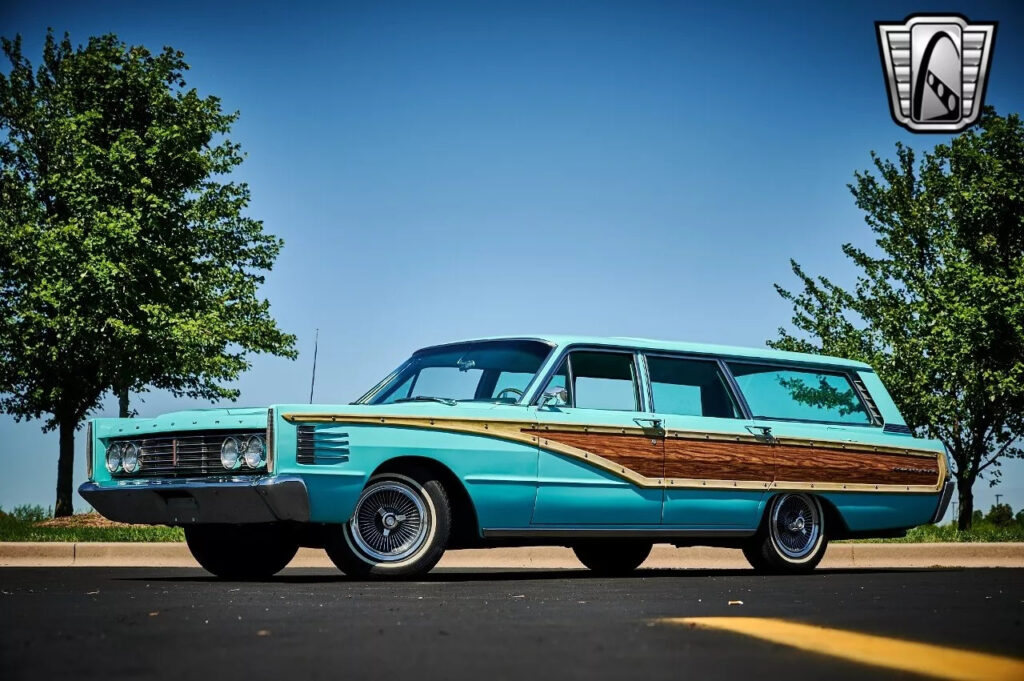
(513, 430)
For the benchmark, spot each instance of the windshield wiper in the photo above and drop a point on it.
(428, 398)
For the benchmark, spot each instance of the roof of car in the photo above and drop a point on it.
(738, 352)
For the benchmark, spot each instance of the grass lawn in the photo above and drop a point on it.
(981, 531)
(32, 523)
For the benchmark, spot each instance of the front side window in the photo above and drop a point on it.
(775, 392)
(493, 371)
(690, 387)
(599, 380)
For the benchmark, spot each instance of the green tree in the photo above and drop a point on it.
(126, 260)
(938, 306)
(1000, 515)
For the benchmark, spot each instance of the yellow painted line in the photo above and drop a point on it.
(879, 651)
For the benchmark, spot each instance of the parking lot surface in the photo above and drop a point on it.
(145, 623)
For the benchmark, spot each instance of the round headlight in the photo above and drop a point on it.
(114, 454)
(230, 457)
(131, 461)
(255, 452)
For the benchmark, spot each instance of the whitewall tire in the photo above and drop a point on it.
(399, 528)
(792, 535)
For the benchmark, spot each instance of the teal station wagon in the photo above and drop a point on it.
(605, 445)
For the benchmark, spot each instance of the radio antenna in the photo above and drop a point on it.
(312, 381)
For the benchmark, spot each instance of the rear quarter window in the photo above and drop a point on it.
(776, 392)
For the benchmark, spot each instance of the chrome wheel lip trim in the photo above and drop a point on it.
(779, 528)
(411, 547)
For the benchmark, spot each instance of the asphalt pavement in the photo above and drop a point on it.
(145, 623)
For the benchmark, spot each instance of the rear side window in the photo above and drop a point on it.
(690, 388)
(775, 392)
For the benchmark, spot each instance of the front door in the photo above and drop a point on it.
(612, 475)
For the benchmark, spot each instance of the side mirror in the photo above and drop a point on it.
(558, 397)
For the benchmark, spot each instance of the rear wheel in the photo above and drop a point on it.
(241, 551)
(791, 538)
(399, 528)
(612, 558)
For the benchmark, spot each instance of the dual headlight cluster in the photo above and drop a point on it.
(124, 457)
(252, 452)
(235, 452)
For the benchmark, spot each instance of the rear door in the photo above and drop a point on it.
(717, 474)
(602, 413)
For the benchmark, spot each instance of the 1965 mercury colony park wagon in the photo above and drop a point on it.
(606, 445)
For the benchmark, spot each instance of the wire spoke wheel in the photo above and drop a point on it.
(795, 525)
(399, 527)
(391, 521)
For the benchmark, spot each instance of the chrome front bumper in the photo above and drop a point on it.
(181, 502)
(947, 494)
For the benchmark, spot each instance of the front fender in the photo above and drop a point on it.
(499, 475)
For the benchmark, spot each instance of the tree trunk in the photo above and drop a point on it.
(122, 403)
(65, 468)
(965, 495)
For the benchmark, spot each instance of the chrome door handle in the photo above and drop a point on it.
(765, 432)
(653, 424)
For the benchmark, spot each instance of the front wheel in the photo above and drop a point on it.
(611, 558)
(399, 528)
(791, 538)
(241, 551)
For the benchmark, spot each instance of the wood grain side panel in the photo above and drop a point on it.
(635, 452)
(746, 461)
(815, 464)
(707, 460)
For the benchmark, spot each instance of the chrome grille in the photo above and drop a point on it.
(185, 455)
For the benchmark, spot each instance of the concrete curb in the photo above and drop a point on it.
(114, 554)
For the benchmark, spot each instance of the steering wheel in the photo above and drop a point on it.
(516, 391)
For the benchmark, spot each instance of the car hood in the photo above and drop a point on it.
(255, 418)
(232, 418)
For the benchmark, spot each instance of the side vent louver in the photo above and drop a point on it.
(876, 416)
(897, 428)
(321, 445)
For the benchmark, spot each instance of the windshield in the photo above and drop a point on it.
(484, 371)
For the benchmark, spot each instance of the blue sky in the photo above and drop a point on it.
(441, 171)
